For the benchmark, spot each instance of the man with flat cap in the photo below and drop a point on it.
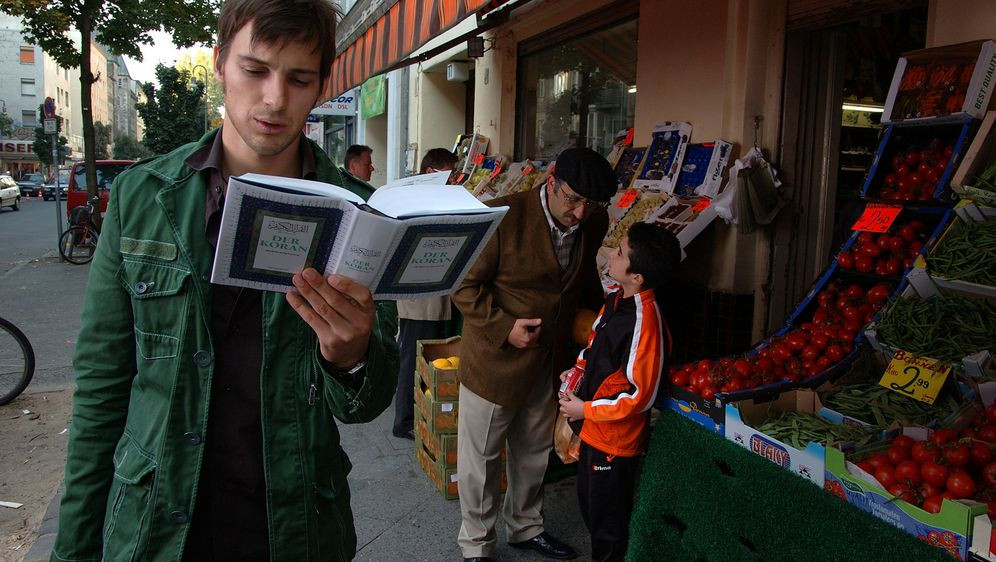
(518, 303)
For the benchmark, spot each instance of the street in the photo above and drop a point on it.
(398, 514)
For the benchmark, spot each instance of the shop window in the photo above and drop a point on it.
(27, 55)
(577, 91)
(27, 86)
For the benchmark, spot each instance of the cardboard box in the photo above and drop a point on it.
(979, 155)
(444, 478)
(440, 415)
(942, 82)
(443, 384)
(950, 529)
(441, 447)
(703, 169)
(927, 283)
(901, 137)
(664, 156)
(742, 416)
(983, 539)
(710, 414)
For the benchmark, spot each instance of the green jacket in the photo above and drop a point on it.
(144, 364)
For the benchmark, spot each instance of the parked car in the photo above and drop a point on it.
(30, 184)
(107, 170)
(10, 193)
(48, 190)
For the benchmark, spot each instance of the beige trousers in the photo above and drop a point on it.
(527, 432)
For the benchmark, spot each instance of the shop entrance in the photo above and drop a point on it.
(837, 77)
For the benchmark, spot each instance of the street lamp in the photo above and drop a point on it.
(206, 109)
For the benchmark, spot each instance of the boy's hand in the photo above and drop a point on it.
(572, 407)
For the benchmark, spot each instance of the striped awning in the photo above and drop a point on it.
(376, 34)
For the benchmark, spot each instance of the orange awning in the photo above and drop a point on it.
(376, 35)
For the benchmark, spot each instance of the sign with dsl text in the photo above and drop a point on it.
(342, 105)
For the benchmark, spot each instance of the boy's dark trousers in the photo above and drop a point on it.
(606, 484)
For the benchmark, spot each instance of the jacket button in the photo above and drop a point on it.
(178, 517)
(202, 359)
(192, 438)
(141, 287)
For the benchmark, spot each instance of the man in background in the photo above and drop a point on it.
(420, 319)
(359, 164)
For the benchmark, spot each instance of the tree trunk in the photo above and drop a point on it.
(86, 83)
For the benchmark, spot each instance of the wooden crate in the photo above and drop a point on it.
(444, 478)
(443, 384)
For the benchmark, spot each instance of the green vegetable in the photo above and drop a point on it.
(798, 429)
(987, 179)
(945, 327)
(968, 253)
(879, 406)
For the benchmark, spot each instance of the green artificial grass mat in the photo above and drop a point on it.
(702, 497)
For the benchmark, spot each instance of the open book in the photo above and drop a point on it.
(415, 237)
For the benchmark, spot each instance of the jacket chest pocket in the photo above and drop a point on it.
(160, 301)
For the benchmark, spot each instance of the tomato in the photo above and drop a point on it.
(866, 466)
(879, 460)
(741, 368)
(883, 242)
(834, 353)
(933, 503)
(854, 292)
(957, 455)
(927, 489)
(907, 470)
(871, 251)
(820, 316)
(897, 455)
(942, 436)
(988, 433)
(864, 264)
(763, 364)
(852, 313)
(961, 485)
(878, 294)
(885, 476)
(795, 341)
(991, 413)
(912, 158)
(704, 365)
(898, 161)
(865, 238)
(679, 378)
(903, 441)
(989, 475)
(908, 233)
(810, 353)
(844, 260)
(708, 393)
(934, 473)
(893, 266)
(903, 492)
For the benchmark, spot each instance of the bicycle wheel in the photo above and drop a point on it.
(78, 244)
(17, 362)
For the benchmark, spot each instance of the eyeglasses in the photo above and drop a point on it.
(573, 201)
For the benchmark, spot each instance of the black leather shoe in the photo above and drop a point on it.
(404, 434)
(548, 546)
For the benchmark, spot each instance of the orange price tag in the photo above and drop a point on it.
(629, 137)
(877, 217)
(527, 170)
(628, 198)
(459, 178)
(701, 205)
(496, 171)
(480, 159)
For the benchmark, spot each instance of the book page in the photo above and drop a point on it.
(267, 235)
(363, 256)
(299, 186)
(430, 255)
(402, 201)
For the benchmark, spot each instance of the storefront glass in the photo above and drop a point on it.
(579, 92)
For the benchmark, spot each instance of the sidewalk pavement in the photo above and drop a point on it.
(399, 515)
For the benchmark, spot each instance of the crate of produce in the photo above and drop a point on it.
(887, 489)
(438, 365)
(787, 432)
(915, 161)
(710, 413)
(442, 447)
(662, 162)
(963, 257)
(703, 168)
(976, 176)
(628, 165)
(443, 476)
(942, 82)
(939, 327)
(440, 415)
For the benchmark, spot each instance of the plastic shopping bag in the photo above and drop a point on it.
(566, 443)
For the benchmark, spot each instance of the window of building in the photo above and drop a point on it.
(30, 118)
(576, 87)
(27, 55)
(27, 86)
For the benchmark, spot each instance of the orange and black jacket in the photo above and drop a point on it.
(626, 354)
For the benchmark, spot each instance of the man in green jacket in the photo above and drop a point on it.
(203, 420)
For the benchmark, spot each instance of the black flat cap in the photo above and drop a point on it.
(587, 173)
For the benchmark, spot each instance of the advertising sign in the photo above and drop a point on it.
(342, 105)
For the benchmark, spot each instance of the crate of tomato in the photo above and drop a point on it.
(892, 253)
(915, 161)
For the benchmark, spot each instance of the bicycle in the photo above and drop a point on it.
(79, 241)
(17, 362)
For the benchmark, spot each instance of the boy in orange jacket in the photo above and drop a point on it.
(626, 354)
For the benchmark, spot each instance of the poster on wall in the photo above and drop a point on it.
(373, 97)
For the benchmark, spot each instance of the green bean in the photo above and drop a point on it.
(945, 327)
(968, 253)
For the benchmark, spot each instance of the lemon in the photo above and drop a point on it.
(428, 393)
(442, 363)
(455, 361)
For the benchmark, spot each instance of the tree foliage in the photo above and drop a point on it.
(173, 114)
(201, 70)
(126, 147)
(101, 140)
(43, 144)
(122, 25)
(6, 124)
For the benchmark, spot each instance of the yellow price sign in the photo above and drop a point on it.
(916, 377)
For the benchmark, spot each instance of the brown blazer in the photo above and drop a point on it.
(517, 276)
